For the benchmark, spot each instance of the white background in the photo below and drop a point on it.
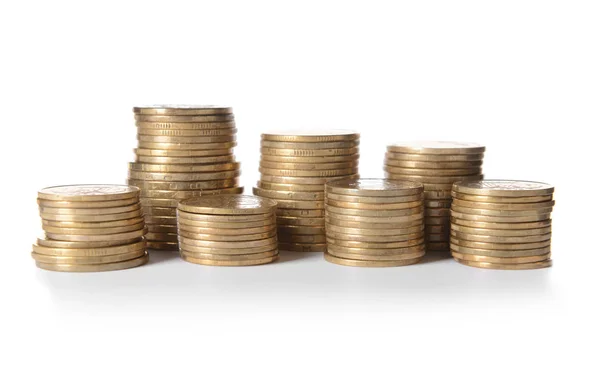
(521, 77)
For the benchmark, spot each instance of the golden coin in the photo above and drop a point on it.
(373, 187)
(300, 204)
(438, 187)
(302, 230)
(438, 204)
(374, 199)
(374, 213)
(514, 188)
(78, 205)
(376, 219)
(370, 263)
(185, 125)
(162, 228)
(89, 211)
(250, 256)
(500, 219)
(160, 211)
(375, 206)
(229, 263)
(302, 239)
(383, 256)
(290, 187)
(73, 251)
(378, 226)
(437, 220)
(185, 160)
(284, 212)
(93, 238)
(186, 146)
(437, 158)
(93, 231)
(87, 259)
(291, 220)
(228, 205)
(88, 192)
(301, 180)
(92, 218)
(431, 172)
(182, 110)
(320, 135)
(180, 195)
(498, 246)
(154, 202)
(309, 145)
(350, 252)
(182, 177)
(375, 232)
(442, 246)
(502, 226)
(437, 195)
(437, 237)
(183, 118)
(433, 179)
(308, 173)
(308, 152)
(198, 224)
(502, 232)
(226, 218)
(437, 212)
(310, 160)
(187, 133)
(501, 213)
(160, 220)
(501, 199)
(440, 165)
(374, 238)
(436, 147)
(203, 186)
(432, 229)
(299, 247)
(374, 245)
(228, 244)
(500, 253)
(501, 239)
(227, 238)
(288, 194)
(161, 245)
(308, 166)
(478, 264)
(93, 225)
(183, 153)
(227, 231)
(184, 168)
(162, 236)
(93, 267)
(501, 260)
(504, 206)
(186, 139)
(227, 251)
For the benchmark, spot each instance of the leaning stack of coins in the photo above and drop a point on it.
(374, 222)
(183, 152)
(90, 228)
(294, 167)
(230, 230)
(437, 165)
(502, 224)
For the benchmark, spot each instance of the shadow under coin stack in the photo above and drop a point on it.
(502, 224)
(90, 228)
(435, 164)
(374, 222)
(294, 168)
(183, 152)
(232, 230)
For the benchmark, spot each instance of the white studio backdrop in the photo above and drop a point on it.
(521, 77)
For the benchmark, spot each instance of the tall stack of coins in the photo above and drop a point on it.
(183, 152)
(90, 228)
(374, 222)
(502, 224)
(294, 167)
(232, 230)
(436, 165)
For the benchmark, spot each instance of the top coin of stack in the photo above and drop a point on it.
(294, 168)
(183, 152)
(502, 224)
(437, 165)
(90, 228)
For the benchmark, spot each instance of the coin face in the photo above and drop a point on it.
(494, 187)
(89, 192)
(373, 187)
(306, 135)
(182, 109)
(436, 147)
(229, 205)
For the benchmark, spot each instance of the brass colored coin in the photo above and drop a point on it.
(226, 218)
(162, 228)
(500, 253)
(250, 256)
(301, 180)
(180, 195)
(227, 231)
(160, 211)
(502, 239)
(504, 206)
(374, 238)
(291, 220)
(308, 173)
(432, 165)
(438, 187)
(503, 226)
(300, 204)
(203, 186)
(291, 187)
(154, 202)
(94, 267)
(320, 135)
(374, 213)
(231, 263)
(374, 199)
(94, 238)
(229, 205)
(183, 153)
(308, 152)
(478, 264)
(228, 244)
(186, 139)
(431, 172)
(373, 187)
(89, 211)
(188, 133)
(75, 251)
(439, 229)
(302, 239)
(198, 224)
(93, 225)
(162, 236)
(437, 212)
(351, 252)
(433, 179)
(184, 160)
(501, 199)
(88, 192)
(498, 246)
(185, 125)
(87, 259)
(227, 238)
(353, 158)
(185, 168)
(163, 246)
(445, 158)
(80, 205)
(308, 166)
(374, 245)
(160, 220)
(301, 230)
(309, 145)
(93, 231)
(375, 206)
(513, 188)
(284, 212)
(183, 118)
(501, 260)
(502, 232)
(370, 263)
(186, 146)
(437, 237)
(437, 195)
(376, 219)
(182, 110)
(299, 247)
(375, 232)
(227, 251)
(374, 226)
(182, 177)
(438, 204)
(501, 213)
(437, 220)
(291, 195)
(92, 218)
(436, 147)
(500, 219)
(384, 256)
(441, 246)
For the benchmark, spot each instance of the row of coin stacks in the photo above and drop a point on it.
(437, 165)
(90, 228)
(183, 152)
(294, 168)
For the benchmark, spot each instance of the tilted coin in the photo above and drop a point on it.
(503, 213)
(375, 206)
(376, 219)
(437, 212)
(227, 238)
(431, 172)
(500, 219)
(291, 220)
(93, 231)
(161, 245)
(185, 168)
(501, 239)
(160, 211)
(88, 192)
(502, 232)
(498, 246)
(436, 147)
(205, 139)
(218, 184)
(373, 187)
(184, 160)
(504, 206)
(433, 179)
(374, 199)
(230, 263)
(503, 226)
(493, 187)
(179, 195)
(501, 260)
(438, 204)
(320, 135)
(374, 213)
(435, 157)
(74, 251)
(308, 166)
(89, 211)
(182, 177)
(227, 231)
(92, 218)
(379, 226)
(291, 195)
(310, 145)
(186, 146)
(302, 239)
(302, 180)
(352, 251)
(183, 153)
(374, 245)
(290, 187)
(370, 263)
(199, 224)
(185, 125)
(182, 110)
(93, 225)
(375, 232)
(228, 244)
(385, 256)
(536, 265)
(374, 238)
(301, 230)
(439, 165)
(183, 118)
(308, 152)
(230, 218)
(501, 199)
(87, 259)
(98, 204)
(229, 204)
(500, 253)
(250, 256)
(299, 247)
(311, 160)
(185, 247)
(300, 213)
(308, 173)
(155, 202)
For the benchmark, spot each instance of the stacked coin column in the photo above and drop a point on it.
(502, 224)
(374, 222)
(183, 152)
(294, 167)
(436, 165)
(232, 230)
(90, 228)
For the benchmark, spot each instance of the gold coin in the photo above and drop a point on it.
(504, 206)
(498, 246)
(308, 173)
(93, 231)
(187, 133)
(291, 220)
(227, 251)
(160, 211)
(185, 125)
(301, 180)
(185, 160)
(374, 199)
(383, 256)
(89, 211)
(250, 256)
(229, 205)
(374, 238)
(431, 172)
(374, 245)
(93, 238)
(478, 264)
(184, 168)
(93, 225)
(438, 187)
(501, 199)
(162, 236)
(154, 202)
(501, 239)
(375, 232)
(370, 263)
(290, 187)
(350, 252)
(93, 267)
(164, 246)
(514, 188)
(302, 239)
(226, 218)
(500, 219)
(288, 194)
(183, 153)
(183, 118)
(300, 204)
(157, 228)
(436, 147)
(87, 259)
(433, 179)
(376, 219)
(203, 186)
(180, 195)
(437, 195)
(302, 230)
(353, 158)
(308, 166)
(437, 237)
(284, 212)
(227, 238)
(182, 177)
(160, 220)
(437, 220)
(229, 263)
(227, 231)
(437, 158)
(501, 213)
(375, 206)
(432, 229)
(438, 204)
(182, 110)
(228, 244)
(88, 192)
(73, 251)
(79, 205)
(198, 224)
(186, 146)
(373, 187)
(437, 212)
(308, 152)
(501, 260)
(503, 226)
(320, 135)
(378, 226)
(92, 218)
(299, 247)
(500, 253)
(309, 145)
(186, 139)
(390, 161)
(374, 213)
(502, 232)
(442, 246)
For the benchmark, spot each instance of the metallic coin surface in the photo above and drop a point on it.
(500, 253)
(499, 246)
(433, 179)
(74, 251)
(439, 165)
(185, 168)
(438, 204)
(184, 160)
(374, 199)
(182, 109)
(88, 192)
(501, 213)
(354, 251)
(185, 228)
(229, 263)
(249, 256)
(180, 195)
(308, 152)
(300, 204)
(502, 226)
(93, 267)
(501, 239)
(92, 218)
(205, 139)
(302, 239)
(500, 219)
(160, 211)
(308, 173)
(353, 158)
(164, 246)
(436, 147)
(375, 232)
(501, 199)
(93, 225)
(308, 166)
(183, 118)
(310, 145)
(374, 226)
(445, 158)
(89, 211)
(536, 265)
(376, 219)
(504, 206)
(291, 195)
(301, 213)
(93, 231)
(374, 245)
(373, 187)
(231, 218)
(81, 205)
(182, 177)
(187, 132)
(155, 202)
(228, 205)
(302, 180)
(210, 125)
(161, 236)
(87, 259)
(298, 247)
(218, 184)
(431, 172)
(227, 251)
(160, 220)
(291, 220)
(320, 135)
(437, 195)
(226, 238)
(370, 263)
(383, 256)
(375, 206)
(437, 212)
(183, 153)
(501, 260)
(501, 232)
(301, 230)
(162, 228)
(200, 224)
(374, 213)
(291, 187)
(185, 146)
(228, 244)
(438, 246)
(514, 188)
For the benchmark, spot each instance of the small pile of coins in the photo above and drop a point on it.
(294, 168)
(437, 165)
(229, 230)
(502, 224)
(183, 152)
(90, 228)
(374, 222)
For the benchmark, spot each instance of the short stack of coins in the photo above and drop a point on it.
(90, 228)
(228, 230)
(437, 165)
(183, 152)
(294, 168)
(374, 222)
(502, 224)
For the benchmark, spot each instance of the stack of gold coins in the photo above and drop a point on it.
(374, 222)
(232, 230)
(294, 167)
(502, 224)
(435, 164)
(183, 152)
(90, 228)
